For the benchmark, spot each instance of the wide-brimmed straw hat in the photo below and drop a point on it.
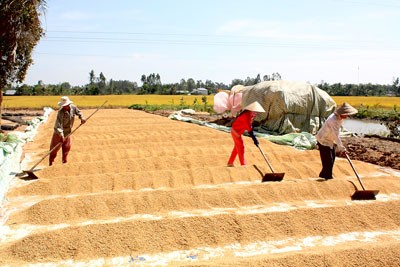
(346, 109)
(64, 101)
(255, 106)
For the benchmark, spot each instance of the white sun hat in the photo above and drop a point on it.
(255, 106)
(64, 101)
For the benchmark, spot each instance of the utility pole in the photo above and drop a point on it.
(358, 79)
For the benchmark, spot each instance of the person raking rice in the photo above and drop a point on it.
(63, 127)
(242, 123)
(329, 140)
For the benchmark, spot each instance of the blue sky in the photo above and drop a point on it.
(305, 40)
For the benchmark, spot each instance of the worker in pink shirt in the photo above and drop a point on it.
(329, 140)
(243, 123)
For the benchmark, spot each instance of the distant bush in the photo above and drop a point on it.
(377, 113)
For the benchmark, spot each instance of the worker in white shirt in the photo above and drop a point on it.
(328, 139)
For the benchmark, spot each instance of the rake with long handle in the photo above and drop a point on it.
(30, 173)
(361, 194)
(270, 177)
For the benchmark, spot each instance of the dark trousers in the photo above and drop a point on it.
(327, 155)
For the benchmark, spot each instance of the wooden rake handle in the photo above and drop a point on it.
(266, 159)
(59, 144)
(354, 169)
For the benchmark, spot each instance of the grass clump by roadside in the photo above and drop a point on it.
(203, 106)
(377, 113)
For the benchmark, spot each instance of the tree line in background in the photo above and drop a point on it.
(151, 84)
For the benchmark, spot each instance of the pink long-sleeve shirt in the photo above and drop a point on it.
(328, 135)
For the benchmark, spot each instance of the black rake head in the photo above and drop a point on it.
(364, 195)
(273, 177)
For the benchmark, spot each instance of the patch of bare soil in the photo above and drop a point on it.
(380, 151)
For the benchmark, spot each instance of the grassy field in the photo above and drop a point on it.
(124, 101)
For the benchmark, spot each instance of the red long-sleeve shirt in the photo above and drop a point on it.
(243, 122)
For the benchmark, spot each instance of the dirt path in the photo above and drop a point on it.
(143, 189)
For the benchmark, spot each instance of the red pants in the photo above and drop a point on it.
(66, 147)
(238, 149)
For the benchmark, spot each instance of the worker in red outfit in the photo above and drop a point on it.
(63, 127)
(242, 123)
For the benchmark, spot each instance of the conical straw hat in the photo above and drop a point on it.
(255, 106)
(346, 109)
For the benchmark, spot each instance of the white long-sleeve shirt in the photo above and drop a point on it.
(328, 135)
